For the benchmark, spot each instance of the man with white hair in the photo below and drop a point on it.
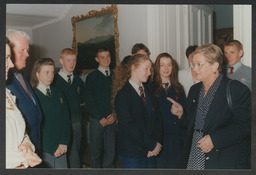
(19, 86)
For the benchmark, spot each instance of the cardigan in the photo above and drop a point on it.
(56, 123)
(229, 131)
(15, 133)
(138, 133)
(98, 91)
(74, 94)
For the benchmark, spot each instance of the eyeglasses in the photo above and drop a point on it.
(197, 65)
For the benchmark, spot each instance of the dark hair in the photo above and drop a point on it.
(173, 77)
(236, 43)
(103, 49)
(126, 59)
(140, 46)
(37, 68)
(190, 50)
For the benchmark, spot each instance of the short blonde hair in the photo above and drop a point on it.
(212, 53)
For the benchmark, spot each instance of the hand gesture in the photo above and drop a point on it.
(205, 144)
(58, 152)
(63, 148)
(32, 159)
(176, 108)
(156, 151)
(25, 148)
(104, 122)
(111, 118)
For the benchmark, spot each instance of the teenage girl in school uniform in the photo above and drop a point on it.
(165, 85)
(55, 132)
(139, 119)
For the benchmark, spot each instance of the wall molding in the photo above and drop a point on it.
(60, 18)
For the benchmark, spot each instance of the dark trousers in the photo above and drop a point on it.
(136, 163)
(102, 142)
(74, 149)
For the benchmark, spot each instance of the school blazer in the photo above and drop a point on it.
(137, 133)
(30, 110)
(230, 131)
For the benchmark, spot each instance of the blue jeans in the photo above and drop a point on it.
(135, 163)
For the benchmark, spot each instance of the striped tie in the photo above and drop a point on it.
(142, 94)
(69, 78)
(48, 93)
(106, 73)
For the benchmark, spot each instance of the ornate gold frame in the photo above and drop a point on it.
(91, 14)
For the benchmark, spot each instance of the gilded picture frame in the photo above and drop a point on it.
(97, 29)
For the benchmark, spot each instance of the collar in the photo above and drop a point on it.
(136, 86)
(103, 70)
(65, 76)
(236, 66)
(43, 88)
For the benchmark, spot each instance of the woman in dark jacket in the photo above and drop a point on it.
(218, 137)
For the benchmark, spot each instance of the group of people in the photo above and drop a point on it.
(157, 116)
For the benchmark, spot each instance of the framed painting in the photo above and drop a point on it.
(222, 36)
(97, 29)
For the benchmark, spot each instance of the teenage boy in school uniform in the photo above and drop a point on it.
(233, 51)
(98, 90)
(72, 87)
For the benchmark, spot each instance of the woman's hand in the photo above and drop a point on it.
(33, 159)
(205, 144)
(156, 151)
(176, 108)
(25, 148)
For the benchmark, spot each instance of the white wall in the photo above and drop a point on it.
(243, 30)
(51, 39)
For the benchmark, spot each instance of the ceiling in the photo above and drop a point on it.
(32, 16)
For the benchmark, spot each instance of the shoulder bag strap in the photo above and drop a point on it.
(230, 106)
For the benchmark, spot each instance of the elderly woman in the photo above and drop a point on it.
(19, 149)
(218, 137)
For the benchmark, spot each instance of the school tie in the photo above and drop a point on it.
(231, 69)
(23, 84)
(48, 93)
(166, 85)
(106, 73)
(142, 94)
(69, 78)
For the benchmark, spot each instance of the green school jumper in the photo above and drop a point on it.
(74, 94)
(98, 91)
(55, 124)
